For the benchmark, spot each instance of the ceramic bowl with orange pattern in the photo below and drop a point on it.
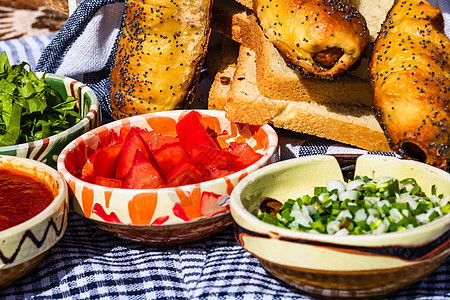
(152, 216)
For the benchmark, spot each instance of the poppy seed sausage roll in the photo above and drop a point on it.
(161, 50)
(324, 38)
(410, 73)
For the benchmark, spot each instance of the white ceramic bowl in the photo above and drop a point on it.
(339, 266)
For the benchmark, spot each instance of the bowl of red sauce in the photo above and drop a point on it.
(33, 214)
(163, 178)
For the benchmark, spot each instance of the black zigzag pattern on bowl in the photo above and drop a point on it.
(38, 243)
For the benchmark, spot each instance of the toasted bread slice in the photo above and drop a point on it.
(278, 81)
(350, 124)
(218, 93)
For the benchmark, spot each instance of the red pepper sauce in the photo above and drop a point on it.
(21, 198)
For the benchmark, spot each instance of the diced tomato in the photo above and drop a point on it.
(232, 145)
(91, 157)
(211, 158)
(210, 205)
(108, 182)
(211, 133)
(185, 173)
(143, 174)
(105, 162)
(113, 138)
(151, 139)
(246, 130)
(156, 141)
(247, 156)
(166, 139)
(132, 143)
(169, 156)
(124, 130)
(87, 172)
(219, 173)
(140, 130)
(191, 131)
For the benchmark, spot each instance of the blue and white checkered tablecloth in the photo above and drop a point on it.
(87, 263)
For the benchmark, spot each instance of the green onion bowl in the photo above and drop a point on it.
(359, 239)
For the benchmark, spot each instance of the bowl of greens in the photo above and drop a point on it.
(383, 228)
(40, 113)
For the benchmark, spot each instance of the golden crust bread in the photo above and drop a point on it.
(350, 124)
(161, 50)
(317, 37)
(411, 79)
(374, 12)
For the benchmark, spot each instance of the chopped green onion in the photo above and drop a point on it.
(338, 185)
(362, 206)
(288, 204)
(320, 190)
(351, 195)
(433, 216)
(399, 205)
(393, 227)
(318, 225)
(446, 209)
(333, 227)
(268, 218)
(415, 190)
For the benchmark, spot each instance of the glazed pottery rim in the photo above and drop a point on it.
(263, 227)
(95, 105)
(27, 165)
(272, 137)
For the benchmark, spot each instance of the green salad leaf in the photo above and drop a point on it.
(30, 109)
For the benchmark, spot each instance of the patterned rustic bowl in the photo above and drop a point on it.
(133, 213)
(48, 149)
(339, 266)
(23, 246)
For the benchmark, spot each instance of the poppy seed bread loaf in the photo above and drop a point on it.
(161, 50)
(410, 73)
